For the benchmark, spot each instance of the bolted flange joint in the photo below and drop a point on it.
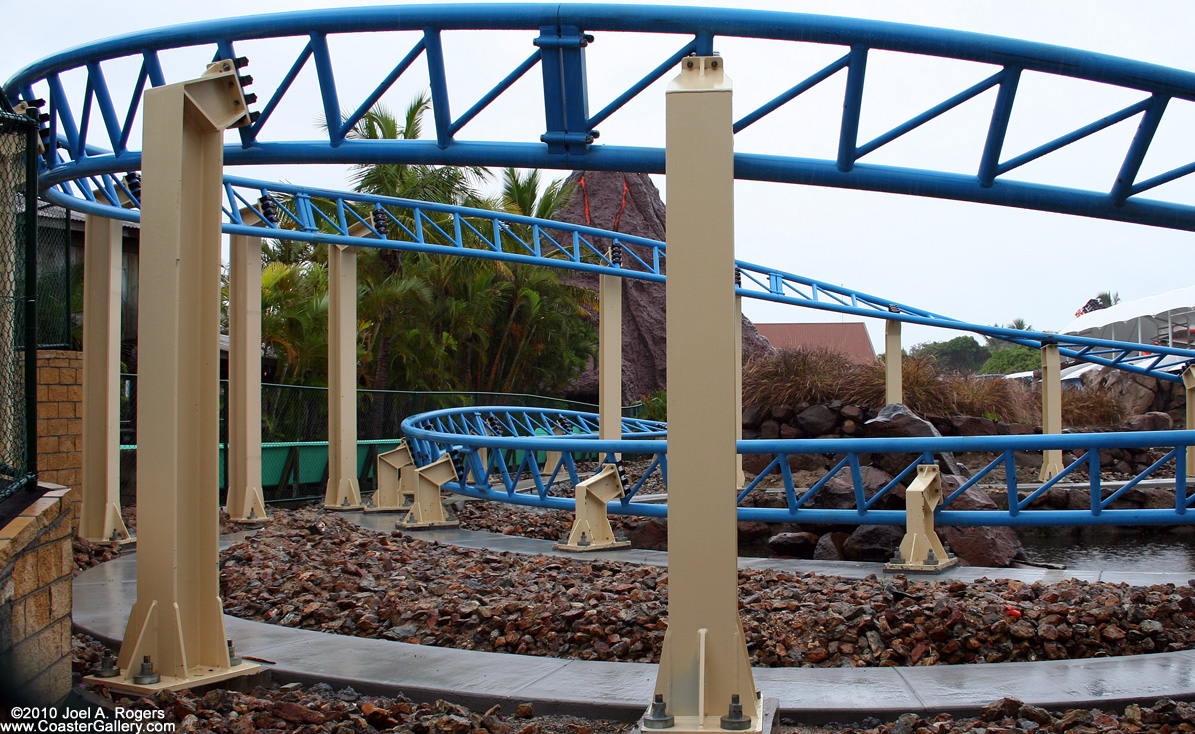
(734, 720)
(107, 667)
(147, 676)
(657, 716)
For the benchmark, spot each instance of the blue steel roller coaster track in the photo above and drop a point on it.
(82, 163)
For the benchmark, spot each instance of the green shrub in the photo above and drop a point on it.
(655, 406)
(960, 354)
(1016, 358)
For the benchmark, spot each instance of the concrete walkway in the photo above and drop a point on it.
(104, 595)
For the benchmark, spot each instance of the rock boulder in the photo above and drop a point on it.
(894, 421)
(1152, 421)
(793, 545)
(994, 547)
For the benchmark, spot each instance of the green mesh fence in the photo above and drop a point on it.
(294, 422)
(17, 343)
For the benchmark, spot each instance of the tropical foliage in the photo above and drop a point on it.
(429, 322)
(1013, 358)
(961, 354)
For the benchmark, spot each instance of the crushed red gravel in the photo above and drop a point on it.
(315, 570)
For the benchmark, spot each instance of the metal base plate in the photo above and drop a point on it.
(400, 525)
(199, 675)
(591, 548)
(387, 509)
(344, 508)
(115, 543)
(938, 567)
(713, 724)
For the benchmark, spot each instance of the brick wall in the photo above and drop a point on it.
(60, 417)
(36, 565)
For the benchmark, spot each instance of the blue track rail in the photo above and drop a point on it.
(326, 216)
(88, 148)
(568, 139)
(495, 452)
(80, 164)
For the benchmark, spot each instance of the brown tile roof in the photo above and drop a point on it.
(850, 339)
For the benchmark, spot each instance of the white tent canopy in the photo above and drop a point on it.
(1166, 318)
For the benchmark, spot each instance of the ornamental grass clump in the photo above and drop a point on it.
(1010, 401)
(1090, 406)
(794, 376)
(925, 391)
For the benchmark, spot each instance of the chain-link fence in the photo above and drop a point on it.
(18, 277)
(55, 298)
(294, 435)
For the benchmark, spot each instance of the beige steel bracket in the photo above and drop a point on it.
(175, 636)
(591, 529)
(1189, 384)
(1051, 409)
(396, 481)
(427, 510)
(921, 550)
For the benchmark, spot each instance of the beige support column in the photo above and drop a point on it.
(893, 386)
(609, 358)
(177, 622)
(100, 520)
(552, 458)
(704, 659)
(1189, 384)
(740, 479)
(1051, 408)
(343, 491)
(245, 499)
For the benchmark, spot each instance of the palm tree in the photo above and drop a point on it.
(294, 320)
(1107, 298)
(429, 322)
(520, 194)
(995, 344)
(444, 184)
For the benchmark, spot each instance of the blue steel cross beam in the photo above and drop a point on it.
(81, 149)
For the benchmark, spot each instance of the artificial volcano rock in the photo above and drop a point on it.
(629, 203)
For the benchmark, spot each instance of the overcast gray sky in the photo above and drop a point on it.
(978, 263)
